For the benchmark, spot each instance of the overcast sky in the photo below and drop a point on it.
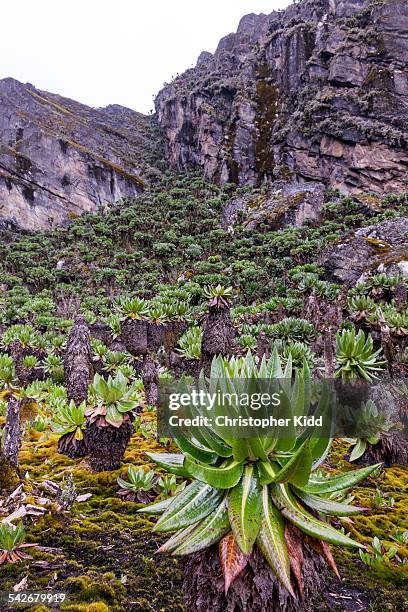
(102, 52)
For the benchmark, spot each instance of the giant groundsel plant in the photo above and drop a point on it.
(245, 491)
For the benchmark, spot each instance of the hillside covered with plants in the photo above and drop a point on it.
(93, 317)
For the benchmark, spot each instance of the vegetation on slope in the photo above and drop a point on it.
(150, 262)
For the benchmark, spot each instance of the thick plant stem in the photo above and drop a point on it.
(134, 336)
(24, 375)
(150, 380)
(391, 450)
(255, 590)
(67, 445)
(106, 445)
(78, 370)
(172, 334)
(12, 431)
(218, 335)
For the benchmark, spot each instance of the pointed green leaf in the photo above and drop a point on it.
(157, 508)
(244, 509)
(224, 476)
(240, 449)
(257, 449)
(195, 451)
(298, 516)
(172, 463)
(256, 444)
(340, 482)
(326, 506)
(196, 502)
(208, 532)
(267, 471)
(286, 441)
(178, 538)
(358, 450)
(215, 443)
(297, 469)
(319, 447)
(271, 541)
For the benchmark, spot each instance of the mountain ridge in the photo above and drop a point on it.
(59, 158)
(314, 93)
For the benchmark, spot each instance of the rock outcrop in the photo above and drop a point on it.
(59, 158)
(318, 92)
(377, 248)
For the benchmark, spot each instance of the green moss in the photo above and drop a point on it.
(9, 477)
(378, 244)
(96, 606)
(100, 540)
(109, 593)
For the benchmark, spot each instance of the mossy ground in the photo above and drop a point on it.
(103, 553)
(104, 557)
(386, 584)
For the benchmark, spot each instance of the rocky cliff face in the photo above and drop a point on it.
(59, 158)
(318, 92)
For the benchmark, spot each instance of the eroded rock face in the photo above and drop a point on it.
(285, 204)
(290, 205)
(59, 158)
(318, 92)
(377, 248)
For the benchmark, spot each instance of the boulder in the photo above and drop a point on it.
(378, 248)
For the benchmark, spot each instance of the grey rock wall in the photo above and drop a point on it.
(318, 92)
(59, 158)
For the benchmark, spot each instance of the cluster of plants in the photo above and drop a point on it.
(153, 262)
(12, 543)
(146, 485)
(172, 231)
(372, 425)
(244, 491)
(372, 303)
(189, 345)
(163, 262)
(356, 357)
